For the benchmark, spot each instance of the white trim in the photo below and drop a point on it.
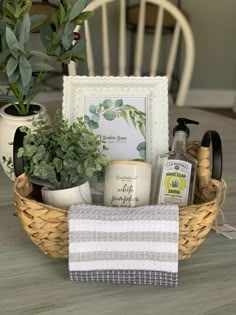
(211, 98)
(124, 265)
(78, 225)
(119, 246)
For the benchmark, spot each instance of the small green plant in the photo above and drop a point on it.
(18, 70)
(63, 154)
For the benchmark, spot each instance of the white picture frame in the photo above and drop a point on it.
(79, 92)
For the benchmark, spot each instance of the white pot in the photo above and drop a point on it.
(64, 198)
(8, 126)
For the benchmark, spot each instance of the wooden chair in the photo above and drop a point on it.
(181, 27)
(44, 7)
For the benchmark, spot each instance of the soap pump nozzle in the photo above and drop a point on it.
(182, 125)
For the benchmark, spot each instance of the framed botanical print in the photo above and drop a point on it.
(129, 113)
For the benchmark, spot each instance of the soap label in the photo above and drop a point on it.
(175, 182)
(156, 178)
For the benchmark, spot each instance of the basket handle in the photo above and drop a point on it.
(212, 137)
(18, 143)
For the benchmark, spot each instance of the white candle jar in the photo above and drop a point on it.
(127, 184)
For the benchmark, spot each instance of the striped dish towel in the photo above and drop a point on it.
(124, 245)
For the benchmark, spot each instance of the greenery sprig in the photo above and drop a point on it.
(63, 154)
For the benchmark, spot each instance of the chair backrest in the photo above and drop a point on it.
(181, 27)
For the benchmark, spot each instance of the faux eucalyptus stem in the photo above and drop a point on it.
(20, 107)
(23, 75)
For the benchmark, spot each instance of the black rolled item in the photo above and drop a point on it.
(212, 137)
(18, 161)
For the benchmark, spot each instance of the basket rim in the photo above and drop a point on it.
(15, 189)
(220, 185)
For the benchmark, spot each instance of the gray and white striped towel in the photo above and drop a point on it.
(124, 245)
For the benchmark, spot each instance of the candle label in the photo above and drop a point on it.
(130, 190)
(124, 196)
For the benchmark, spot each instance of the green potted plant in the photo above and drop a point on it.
(22, 69)
(62, 157)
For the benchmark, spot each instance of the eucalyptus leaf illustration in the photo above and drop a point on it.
(118, 103)
(141, 148)
(141, 128)
(95, 117)
(86, 119)
(142, 154)
(132, 117)
(132, 108)
(110, 114)
(125, 116)
(93, 125)
(107, 103)
(124, 108)
(92, 108)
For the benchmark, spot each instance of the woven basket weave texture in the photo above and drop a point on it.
(47, 226)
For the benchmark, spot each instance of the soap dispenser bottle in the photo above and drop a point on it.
(176, 170)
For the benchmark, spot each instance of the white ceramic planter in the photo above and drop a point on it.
(8, 126)
(64, 198)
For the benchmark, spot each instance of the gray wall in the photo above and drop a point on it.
(214, 25)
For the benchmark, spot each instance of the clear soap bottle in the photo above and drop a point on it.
(175, 177)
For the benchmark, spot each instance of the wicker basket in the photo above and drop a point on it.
(47, 226)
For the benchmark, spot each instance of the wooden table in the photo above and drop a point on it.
(32, 283)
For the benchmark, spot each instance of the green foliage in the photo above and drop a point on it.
(112, 111)
(24, 77)
(110, 114)
(63, 154)
(141, 148)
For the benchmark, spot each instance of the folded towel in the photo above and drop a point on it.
(124, 245)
